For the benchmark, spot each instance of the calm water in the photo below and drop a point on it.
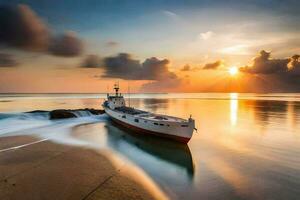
(247, 145)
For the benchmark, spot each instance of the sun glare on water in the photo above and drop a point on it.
(233, 71)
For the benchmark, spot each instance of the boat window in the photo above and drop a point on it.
(124, 116)
(168, 125)
(155, 123)
(136, 120)
(161, 124)
(184, 125)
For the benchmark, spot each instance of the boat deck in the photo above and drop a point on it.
(148, 116)
(129, 110)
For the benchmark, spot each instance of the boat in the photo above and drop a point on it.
(144, 122)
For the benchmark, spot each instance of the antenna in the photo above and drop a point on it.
(128, 94)
(107, 90)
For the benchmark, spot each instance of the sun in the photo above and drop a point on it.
(233, 70)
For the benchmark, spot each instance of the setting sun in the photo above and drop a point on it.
(233, 71)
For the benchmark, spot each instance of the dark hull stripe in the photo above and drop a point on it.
(144, 131)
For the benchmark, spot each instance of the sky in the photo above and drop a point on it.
(51, 46)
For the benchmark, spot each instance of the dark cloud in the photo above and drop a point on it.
(125, 67)
(21, 28)
(67, 45)
(7, 60)
(122, 66)
(285, 71)
(213, 65)
(264, 64)
(155, 69)
(91, 61)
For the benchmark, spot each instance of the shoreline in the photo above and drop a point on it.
(47, 170)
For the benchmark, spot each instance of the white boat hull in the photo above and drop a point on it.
(181, 132)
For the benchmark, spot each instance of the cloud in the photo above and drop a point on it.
(91, 61)
(7, 60)
(186, 68)
(213, 65)
(112, 43)
(123, 66)
(294, 66)
(285, 71)
(264, 64)
(67, 45)
(240, 49)
(21, 28)
(207, 35)
(170, 14)
(155, 69)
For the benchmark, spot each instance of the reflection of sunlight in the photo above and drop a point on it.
(291, 115)
(233, 108)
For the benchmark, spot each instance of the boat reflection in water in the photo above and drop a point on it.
(169, 161)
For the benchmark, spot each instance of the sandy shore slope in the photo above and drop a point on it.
(46, 170)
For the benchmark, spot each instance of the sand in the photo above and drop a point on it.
(47, 170)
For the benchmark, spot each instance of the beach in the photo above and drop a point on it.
(40, 169)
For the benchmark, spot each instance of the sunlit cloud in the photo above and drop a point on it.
(241, 49)
(207, 35)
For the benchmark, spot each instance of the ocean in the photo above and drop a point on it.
(247, 145)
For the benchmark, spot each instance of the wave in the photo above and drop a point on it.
(10, 123)
(82, 113)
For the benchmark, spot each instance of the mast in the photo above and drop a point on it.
(116, 87)
(107, 91)
(128, 95)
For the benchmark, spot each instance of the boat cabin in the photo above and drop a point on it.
(115, 101)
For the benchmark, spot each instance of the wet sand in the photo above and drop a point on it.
(43, 169)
